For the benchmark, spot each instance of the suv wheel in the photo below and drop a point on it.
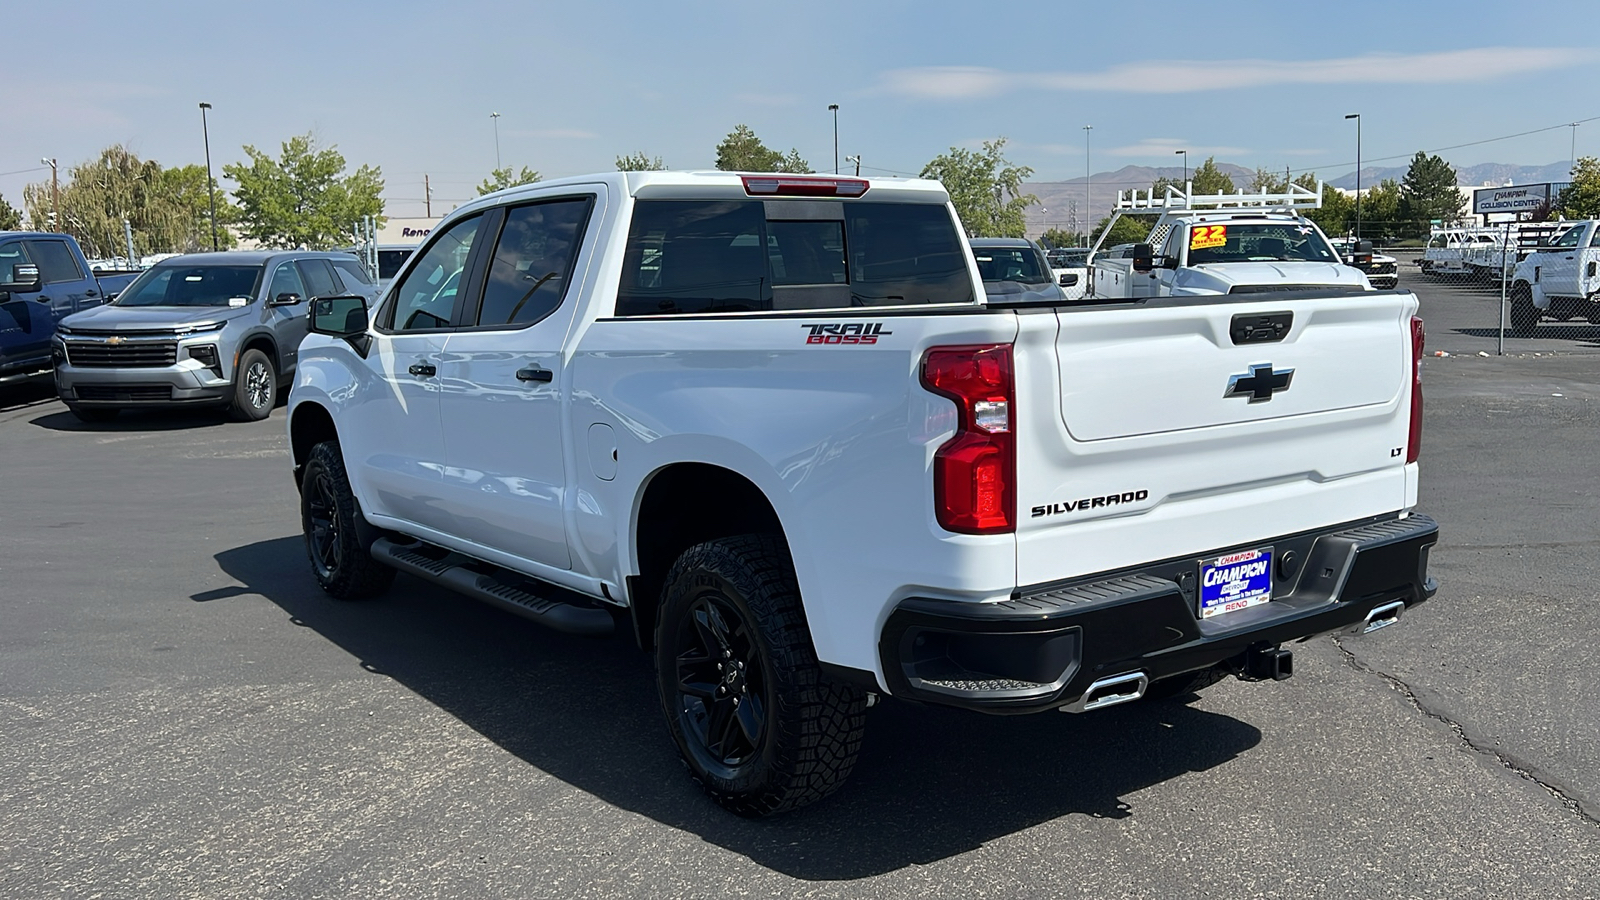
(1524, 315)
(756, 724)
(255, 387)
(93, 413)
(340, 560)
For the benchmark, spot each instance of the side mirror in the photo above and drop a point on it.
(343, 317)
(1069, 279)
(289, 299)
(1143, 258)
(24, 279)
(1361, 254)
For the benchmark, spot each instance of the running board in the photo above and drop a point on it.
(455, 572)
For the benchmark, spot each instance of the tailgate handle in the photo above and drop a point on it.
(1260, 328)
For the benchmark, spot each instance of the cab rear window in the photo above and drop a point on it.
(691, 256)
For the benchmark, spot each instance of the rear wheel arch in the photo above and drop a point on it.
(680, 506)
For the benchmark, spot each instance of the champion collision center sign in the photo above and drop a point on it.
(1517, 199)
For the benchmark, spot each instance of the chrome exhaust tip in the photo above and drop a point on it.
(1112, 691)
(1380, 617)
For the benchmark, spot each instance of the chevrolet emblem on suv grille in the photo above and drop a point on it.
(1260, 383)
(114, 341)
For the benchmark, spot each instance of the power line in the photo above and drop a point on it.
(24, 171)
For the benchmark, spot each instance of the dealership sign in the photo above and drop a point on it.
(1519, 199)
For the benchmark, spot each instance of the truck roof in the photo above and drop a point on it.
(717, 184)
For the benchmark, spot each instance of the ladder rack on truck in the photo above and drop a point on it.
(1173, 203)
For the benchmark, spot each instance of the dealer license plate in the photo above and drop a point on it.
(1234, 582)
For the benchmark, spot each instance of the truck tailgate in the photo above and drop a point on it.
(1156, 425)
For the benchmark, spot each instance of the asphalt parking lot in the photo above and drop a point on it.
(183, 714)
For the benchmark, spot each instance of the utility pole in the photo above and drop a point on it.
(427, 195)
(857, 160)
(1088, 187)
(205, 131)
(834, 108)
(55, 194)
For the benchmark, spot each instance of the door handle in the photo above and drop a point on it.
(42, 298)
(89, 293)
(535, 373)
(423, 369)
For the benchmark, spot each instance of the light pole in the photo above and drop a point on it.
(1185, 169)
(857, 160)
(211, 190)
(1573, 153)
(1088, 188)
(1357, 117)
(55, 193)
(495, 117)
(834, 108)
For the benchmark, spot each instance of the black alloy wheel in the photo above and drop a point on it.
(1524, 315)
(341, 559)
(322, 524)
(722, 688)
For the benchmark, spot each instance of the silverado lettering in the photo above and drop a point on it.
(1056, 509)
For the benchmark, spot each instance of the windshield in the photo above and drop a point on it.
(193, 286)
(1571, 238)
(1257, 242)
(1019, 264)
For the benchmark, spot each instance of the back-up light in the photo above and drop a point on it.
(1414, 438)
(776, 186)
(975, 472)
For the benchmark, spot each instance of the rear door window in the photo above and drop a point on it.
(532, 264)
(351, 272)
(319, 278)
(737, 256)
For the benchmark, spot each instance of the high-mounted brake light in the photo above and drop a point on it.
(975, 472)
(785, 186)
(1414, 439)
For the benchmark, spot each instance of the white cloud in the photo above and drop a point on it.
(1181, 77)
(1164, 147)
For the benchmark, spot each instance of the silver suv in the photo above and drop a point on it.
(218, 329)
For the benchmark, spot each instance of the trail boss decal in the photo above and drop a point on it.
(845, 333)
(1056, 509)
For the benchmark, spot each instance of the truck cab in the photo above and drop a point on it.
(1561, 279)
(1224, 244)
(43, 279)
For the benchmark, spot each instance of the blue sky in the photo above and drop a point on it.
(409, 86)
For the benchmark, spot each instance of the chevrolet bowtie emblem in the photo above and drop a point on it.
(1260, 383)
(114, 341)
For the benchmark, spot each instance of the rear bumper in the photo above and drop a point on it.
(1043, 649)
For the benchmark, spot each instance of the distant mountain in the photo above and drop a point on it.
(1481, 175)
(1059, 200)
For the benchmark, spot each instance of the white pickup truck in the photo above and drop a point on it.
(1224, 244)
(1561, 279)
(772, 427)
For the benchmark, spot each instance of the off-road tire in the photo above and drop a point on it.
(1524, 315)
(93, 413)
(810, 729)
(340, 560)
(255, 387)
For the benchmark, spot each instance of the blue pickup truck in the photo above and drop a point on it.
(43, 279)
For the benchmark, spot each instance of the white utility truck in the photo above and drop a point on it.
(1224, 244)
(772, 428)
(1561, 279)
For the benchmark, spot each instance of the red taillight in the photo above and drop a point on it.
(1414, 439)
(975, 472)
(786, 186)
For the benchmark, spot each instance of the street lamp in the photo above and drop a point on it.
(55, 193)
(1088, 187)
(857, 160)
(834, 108)
(1357, 117)
(1185, 169)
(211, 190)
(1573, 153)
(496, 118)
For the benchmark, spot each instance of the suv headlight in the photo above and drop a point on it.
(186, 330)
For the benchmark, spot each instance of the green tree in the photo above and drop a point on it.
(500, 179)
(1128, 230)
(303, 198)
(1158, 188)
(10, 218)
(1208, 179)
(1581, 200)
(1059, 237)
(639, 162)
(985, 188)
(1429, 192)
(1380, 211)
(1268, 182)
(742, 151)
(167, 209)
